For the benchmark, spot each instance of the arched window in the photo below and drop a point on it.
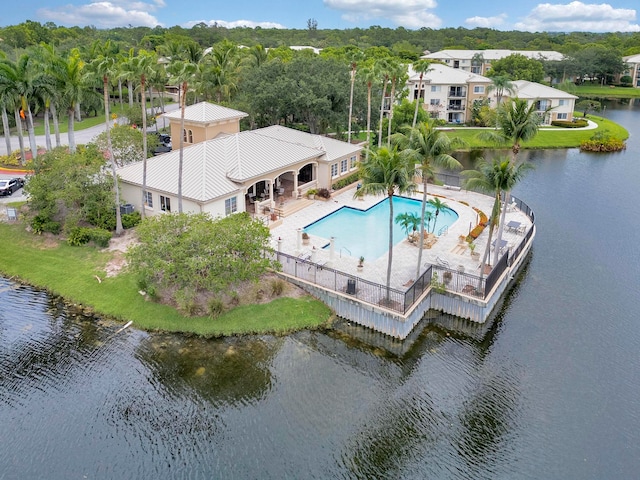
(190, 136)
(187, 135)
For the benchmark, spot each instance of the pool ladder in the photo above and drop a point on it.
(345, 248)
(443, 230)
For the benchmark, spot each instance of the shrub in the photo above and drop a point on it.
(576, 123)
(215, 306)
(130, 220)
(82, 235)
(42, 223)
(186, 302)
(602, 142)
(343, 182)
(324, 193)
(100, 237)
(278, 286)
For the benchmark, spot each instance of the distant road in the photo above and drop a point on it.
(82, 136)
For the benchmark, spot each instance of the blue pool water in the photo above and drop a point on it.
(366, 232)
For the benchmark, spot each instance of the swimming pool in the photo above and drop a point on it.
(366, 232)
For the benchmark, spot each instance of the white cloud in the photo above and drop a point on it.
(104, 14)
(234, 24)
(578, 16)
(486, 22)
(406, 13)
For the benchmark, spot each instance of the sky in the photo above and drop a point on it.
(523, 15)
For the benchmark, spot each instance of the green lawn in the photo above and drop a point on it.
(551, 137)
(71, 272)
(599, 91)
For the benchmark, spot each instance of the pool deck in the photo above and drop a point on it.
(405, 255)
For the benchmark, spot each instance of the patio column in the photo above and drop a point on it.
(298, 240)
(332, 248)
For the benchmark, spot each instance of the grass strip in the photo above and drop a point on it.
(71, 273)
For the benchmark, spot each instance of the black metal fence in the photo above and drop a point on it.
(398, 300)
(360, 288)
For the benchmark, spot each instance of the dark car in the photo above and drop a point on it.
(7, 187)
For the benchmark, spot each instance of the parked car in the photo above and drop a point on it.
(7, 187)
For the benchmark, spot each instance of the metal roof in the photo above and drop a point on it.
(218, 167)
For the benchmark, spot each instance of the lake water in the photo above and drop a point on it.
(548, 390)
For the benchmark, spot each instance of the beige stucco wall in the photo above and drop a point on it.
(202, 132)
(133, 194)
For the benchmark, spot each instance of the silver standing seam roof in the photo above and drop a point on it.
(218, 167)
(205, 112)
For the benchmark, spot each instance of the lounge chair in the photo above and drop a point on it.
(442, 262)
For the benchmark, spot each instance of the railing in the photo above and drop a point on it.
(359, 288)
(444, 229)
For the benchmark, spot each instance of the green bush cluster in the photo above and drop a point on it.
(82, 235)
(570, 124)
(603, 141)
(343, 182)
(42, 223)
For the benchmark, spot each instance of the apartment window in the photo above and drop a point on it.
(353, 162)
(478, 89)
(344, 165)
(563, 116)
(542, 105)
(435, 88)
(562, 103)
(334, 170)
(147, 199)
(434, 101)
(165, 203)
(230, 205)
(187, 135)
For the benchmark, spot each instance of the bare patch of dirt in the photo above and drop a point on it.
(119, 245)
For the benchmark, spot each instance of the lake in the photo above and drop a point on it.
(547, 390)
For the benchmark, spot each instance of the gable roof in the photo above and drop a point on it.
(532, 90)
(205, 112)
(333, 149)
(439, 74)
(218, 167)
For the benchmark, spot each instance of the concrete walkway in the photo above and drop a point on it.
(448, 248)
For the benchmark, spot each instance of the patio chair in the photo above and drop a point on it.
(442, 262)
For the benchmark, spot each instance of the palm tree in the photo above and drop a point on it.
(428, 147)
(519, 121)
(383, 69)
(5, 101)
(356, 56)
(369, 75)
(21, 77)
(105, 66)
(386, 172)
(395, 72)
(421, 67)
(70, 73)
(128, 73)
(439, 206)
(408, 221)
(144, 66)
(182, 72)
(501, 85)
(496, 177)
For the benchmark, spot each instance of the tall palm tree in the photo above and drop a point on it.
(384, 67)
(421, 67)
(501, 84)
(104, 65)
(386, 172)
(396, 71)
(518, 122)
(428, 147)
(22, 77)
(144, 65)
(369, 74)
(494, 178)
(182, 72)
(71, 73)
(356, 56)
(5, 101)
(128, 73)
